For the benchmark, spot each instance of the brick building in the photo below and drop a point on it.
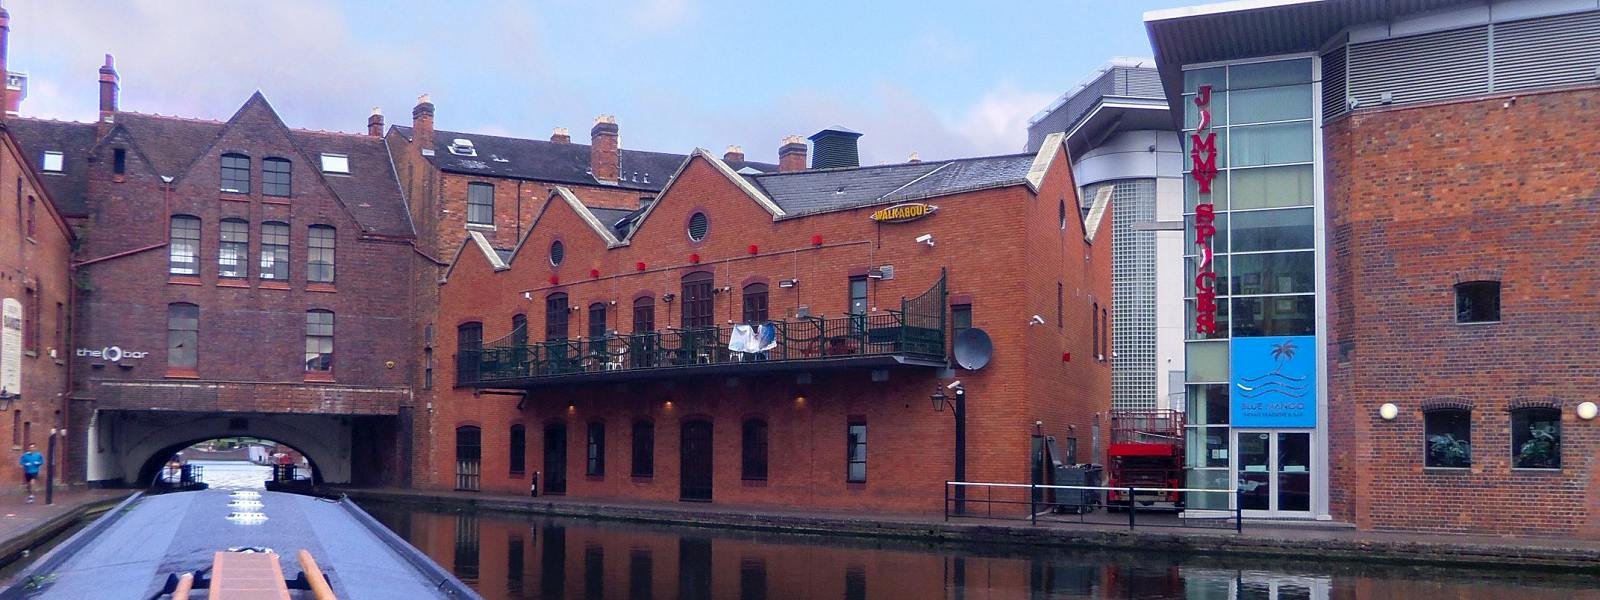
(232, 278)
(36, 300)
(1399, 193)
(646, 387)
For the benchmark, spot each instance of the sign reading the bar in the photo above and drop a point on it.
(1274, 381)
(1203, 168)
(901, 213)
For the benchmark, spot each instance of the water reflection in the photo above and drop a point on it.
(508, 556)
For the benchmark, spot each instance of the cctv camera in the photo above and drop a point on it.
(1036, 320)
(954, 385)
(926, 238)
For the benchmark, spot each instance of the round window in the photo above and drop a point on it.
(557, 252)
(698, 226)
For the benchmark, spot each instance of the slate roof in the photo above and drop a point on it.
(69, 187)
(826, 190)
(543, 160)
(171, 144)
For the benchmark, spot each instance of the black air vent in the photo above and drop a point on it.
(835, 147)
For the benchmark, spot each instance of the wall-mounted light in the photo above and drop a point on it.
(554, 280)
(638, 266)
(1388, 411)
(754, 249)
(816, 240)
(788, 283)
(694, 258)
(669, 297)
(594, 273)
(1587, 411)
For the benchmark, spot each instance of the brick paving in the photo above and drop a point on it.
(1324, 540)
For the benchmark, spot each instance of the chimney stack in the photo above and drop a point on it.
(422, 124)
(375, 122)
(733, 154)
(561, 136)
(792, 154)
(108, 89)
(603, 160)
(914, 158)
(5, 76)
(836, 147)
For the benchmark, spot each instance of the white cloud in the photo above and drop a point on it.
(998, 123)
(663, 14)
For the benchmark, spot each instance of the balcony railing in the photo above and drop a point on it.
(806, 339)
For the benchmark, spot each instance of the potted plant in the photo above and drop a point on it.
(1541, 450)
(1447, 451)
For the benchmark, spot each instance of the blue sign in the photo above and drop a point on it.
(1274, 381)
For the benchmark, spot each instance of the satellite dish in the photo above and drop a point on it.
(973, 349)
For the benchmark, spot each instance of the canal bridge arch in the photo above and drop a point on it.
(131, 446)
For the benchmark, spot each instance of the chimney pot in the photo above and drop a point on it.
(375, 122)
(604, 162)
(792, 154)
(561, 136)
(8, 103)
(733, 154)
(914, 158)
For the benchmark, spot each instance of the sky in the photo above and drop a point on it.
(943, 79)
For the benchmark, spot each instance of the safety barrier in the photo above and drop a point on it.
(1053, 501)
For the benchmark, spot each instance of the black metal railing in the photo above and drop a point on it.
(884, 334)
(915, 331)
(1037, 503)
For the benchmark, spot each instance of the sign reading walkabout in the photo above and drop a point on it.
(11, 346)
(1274, 381)
(901, 213)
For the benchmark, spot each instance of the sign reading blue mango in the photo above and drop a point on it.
(1274, 381)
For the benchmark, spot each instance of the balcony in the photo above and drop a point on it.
(913, 336)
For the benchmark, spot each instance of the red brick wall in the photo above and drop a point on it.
(1419, 199)
(987, 239)
(35, 263)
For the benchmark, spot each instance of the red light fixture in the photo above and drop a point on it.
(1066, 357)
(638, 266)
(554, 280)
(754, 249)
(594, 273)
(694, 258)
(816, 240)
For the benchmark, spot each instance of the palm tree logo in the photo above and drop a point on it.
(1283, 352)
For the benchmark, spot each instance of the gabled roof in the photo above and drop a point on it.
(371, 192)
(800, 193)
(69, 187)
(51, 206)
(542, 160)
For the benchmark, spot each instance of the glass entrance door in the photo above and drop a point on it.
(1274, 471)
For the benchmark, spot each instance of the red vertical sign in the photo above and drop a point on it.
(1203, 168)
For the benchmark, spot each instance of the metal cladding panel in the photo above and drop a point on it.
(1547, 52)
(832, 151)
(1334, 83)
(1421, 68)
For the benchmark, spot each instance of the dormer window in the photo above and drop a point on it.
(335, 163)
(236, 173)
(53, 161)
(462, 147)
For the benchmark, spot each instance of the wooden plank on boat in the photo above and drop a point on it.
(247, 576)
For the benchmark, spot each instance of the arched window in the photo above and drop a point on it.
(319, 341)
(469, 457)
(236, 173)
(519, 449)
(275, 177)
(644, 448)
(1536, 438)
(642, 343)
(556, 319)
(319, 254)
(644, 315)
(698, 308)
(519, 330)
(598, 329)
(183, 337)
(753, 446)
(275, 251)
(233, 252)
(183, 249)
(469, 341)
(1448, 438)
(755, 303)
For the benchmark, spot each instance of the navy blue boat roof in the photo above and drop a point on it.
(129, 552)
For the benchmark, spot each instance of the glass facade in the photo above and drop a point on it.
(1265, 260)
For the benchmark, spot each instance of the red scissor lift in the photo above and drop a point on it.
(1146, 452)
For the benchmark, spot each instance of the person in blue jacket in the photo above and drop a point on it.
(31, 461)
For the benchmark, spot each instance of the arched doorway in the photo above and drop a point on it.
(694, 480)
(555, 458)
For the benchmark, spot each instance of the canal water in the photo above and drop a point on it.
(507, 556)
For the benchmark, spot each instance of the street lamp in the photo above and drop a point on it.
(958, 410)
